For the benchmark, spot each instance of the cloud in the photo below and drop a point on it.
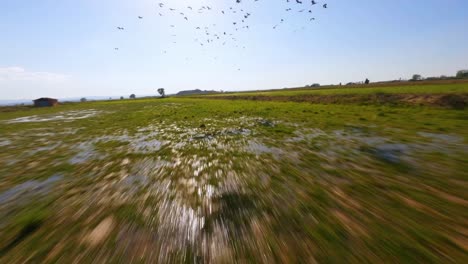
(21, 74)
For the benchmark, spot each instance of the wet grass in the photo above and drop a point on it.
(200, 180)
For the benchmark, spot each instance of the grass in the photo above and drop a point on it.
(360, 89)
(434, 94)
(264, 181)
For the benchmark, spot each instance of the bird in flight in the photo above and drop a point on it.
(239, 24)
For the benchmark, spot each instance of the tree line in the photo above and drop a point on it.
(461, 74)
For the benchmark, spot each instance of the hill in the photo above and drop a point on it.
(196, 92)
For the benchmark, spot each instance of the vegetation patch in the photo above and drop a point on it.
(262, 181)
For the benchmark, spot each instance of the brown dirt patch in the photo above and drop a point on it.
(100, 232)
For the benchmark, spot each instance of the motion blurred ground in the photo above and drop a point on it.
(205, 180)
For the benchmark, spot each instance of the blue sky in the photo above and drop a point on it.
(65, 48)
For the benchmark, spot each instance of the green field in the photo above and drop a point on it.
(184, 180)
(461, 87)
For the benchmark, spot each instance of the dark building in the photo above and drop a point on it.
(44, 102)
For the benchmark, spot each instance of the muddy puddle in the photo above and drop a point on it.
(86, 152)
(196, 183)
(203, 192)
(28, 189)
(62, 116)
(451, 139)
(4, 142)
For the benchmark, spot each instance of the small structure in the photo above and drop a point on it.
(45, 102)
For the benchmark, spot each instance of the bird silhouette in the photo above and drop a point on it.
(209, 35)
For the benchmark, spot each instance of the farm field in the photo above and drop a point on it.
(435, 87)
(440, 94)
(199, 180)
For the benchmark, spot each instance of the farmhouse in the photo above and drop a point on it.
(44, 102)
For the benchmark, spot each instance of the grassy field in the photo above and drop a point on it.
(460, 86)
(183, 180)
(442, 94)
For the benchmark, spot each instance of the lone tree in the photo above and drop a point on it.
(132, 96)
(83, 100)
(121, 97)
(162, 92)
(416, 77)
(462, 74)
(367, 81)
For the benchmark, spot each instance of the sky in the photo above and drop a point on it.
(65, 48)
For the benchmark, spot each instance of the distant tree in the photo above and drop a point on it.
(121, 97)
(416, 77)
(315, 85)
(83, 100)
(462, 74)
(367, 81)
(161, 92)
(132, 96)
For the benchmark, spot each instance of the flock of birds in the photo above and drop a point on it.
(211, 33)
